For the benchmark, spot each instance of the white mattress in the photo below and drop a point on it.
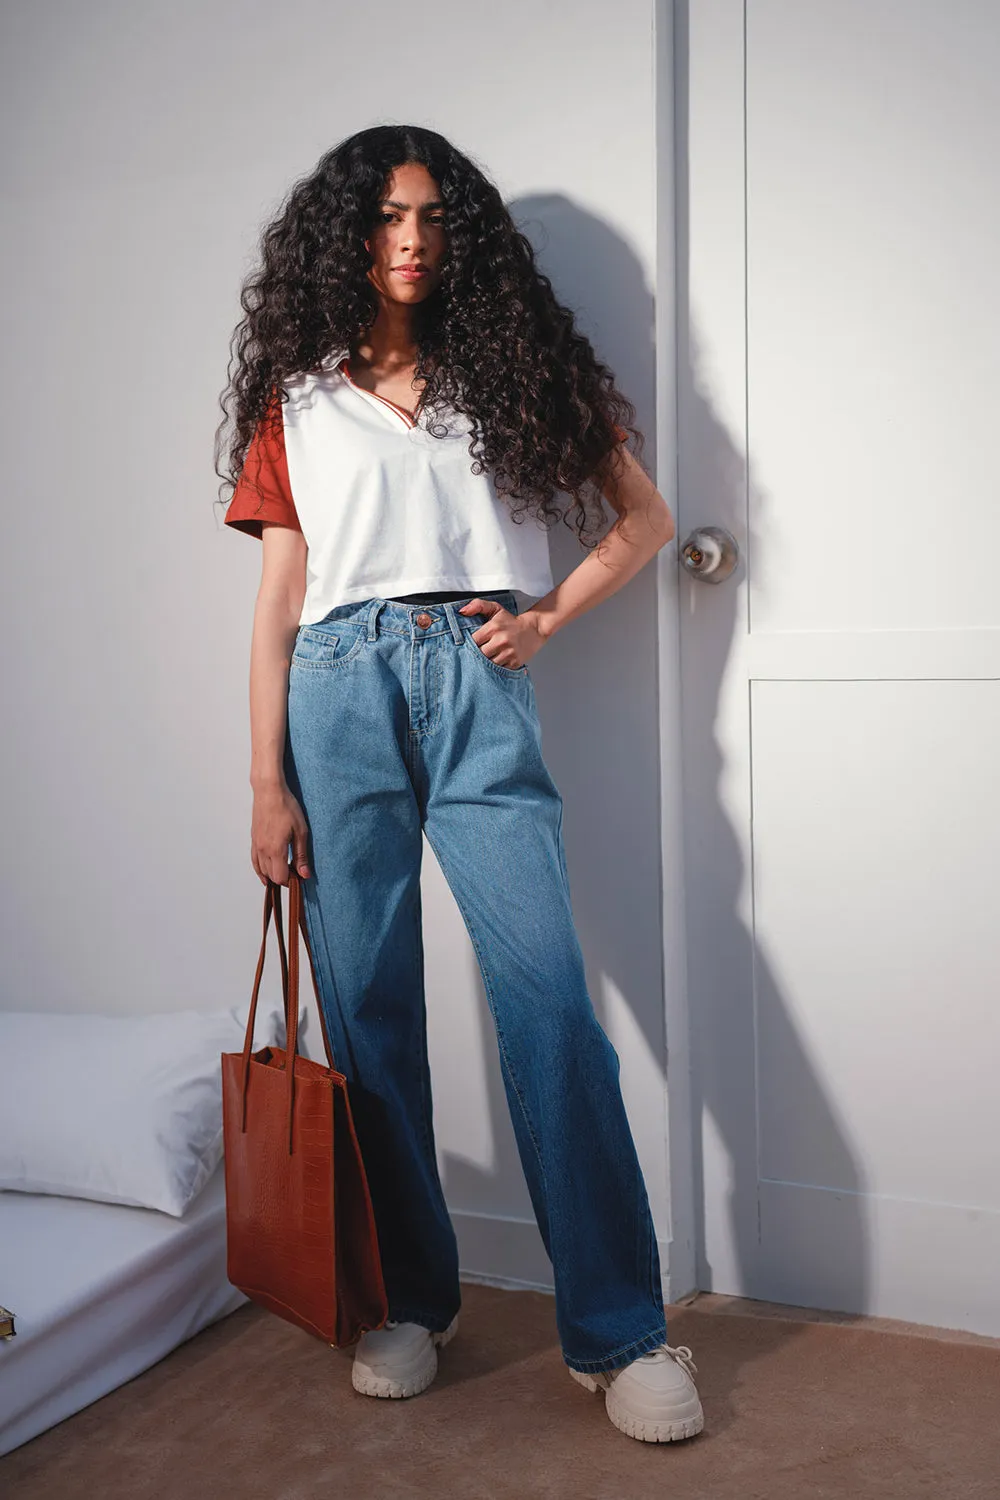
(99, 1293)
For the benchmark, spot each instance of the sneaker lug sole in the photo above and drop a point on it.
(370, 1384)
(669, 1431)
(654, 1432)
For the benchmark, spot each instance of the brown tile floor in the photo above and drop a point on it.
(797, 1404)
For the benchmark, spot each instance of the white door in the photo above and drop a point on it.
(839, 413)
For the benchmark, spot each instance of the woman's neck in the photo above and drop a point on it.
(389, 345)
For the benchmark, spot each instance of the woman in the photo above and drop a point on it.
(408, 399)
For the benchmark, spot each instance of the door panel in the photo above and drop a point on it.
(884, 944)
(873, 304)
(839, 378)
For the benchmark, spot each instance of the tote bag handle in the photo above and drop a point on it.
(289, 988)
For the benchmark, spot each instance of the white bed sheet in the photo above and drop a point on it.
(100, 1292)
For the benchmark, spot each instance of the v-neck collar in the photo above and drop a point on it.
(409, 419)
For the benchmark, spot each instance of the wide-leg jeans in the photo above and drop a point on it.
(398, 728)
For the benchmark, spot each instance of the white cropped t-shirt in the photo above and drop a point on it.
(386, 508)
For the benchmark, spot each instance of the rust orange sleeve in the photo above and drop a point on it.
(263, 491)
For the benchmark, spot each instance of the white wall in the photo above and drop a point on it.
(153, 141)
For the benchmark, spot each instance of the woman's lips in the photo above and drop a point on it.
(411, 273)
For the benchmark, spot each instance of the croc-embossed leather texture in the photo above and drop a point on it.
(301, 1237)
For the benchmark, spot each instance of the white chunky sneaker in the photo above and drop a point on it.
(654, 1398)
(398, 1359)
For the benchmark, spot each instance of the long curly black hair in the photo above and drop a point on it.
(492, 340)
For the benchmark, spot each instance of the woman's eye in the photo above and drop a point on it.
(386, 216)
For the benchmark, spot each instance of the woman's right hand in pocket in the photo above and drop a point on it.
(278, 820)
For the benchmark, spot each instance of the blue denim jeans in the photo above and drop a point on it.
(397, 730)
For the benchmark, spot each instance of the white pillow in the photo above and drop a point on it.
(121, 1109)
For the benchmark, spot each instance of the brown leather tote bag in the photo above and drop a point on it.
(300, 1231)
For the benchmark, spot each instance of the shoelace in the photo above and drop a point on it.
(682, 1354)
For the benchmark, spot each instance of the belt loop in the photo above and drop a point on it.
(373, 614)
(452, 615)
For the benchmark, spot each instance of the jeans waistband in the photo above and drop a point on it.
(380, 615)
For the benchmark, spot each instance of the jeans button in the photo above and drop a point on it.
(423, 620)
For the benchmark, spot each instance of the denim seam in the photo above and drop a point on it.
(496, 1021)
(655, 1289)
(644, 1345)
(559, 845)
(421, 1070)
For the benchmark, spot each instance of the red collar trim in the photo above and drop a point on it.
(407, 416)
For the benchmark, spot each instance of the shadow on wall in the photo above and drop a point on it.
(597, 696)
(597, 699)
(734, 994)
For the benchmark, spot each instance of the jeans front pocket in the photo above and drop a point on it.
(319, 649)
(496, 666)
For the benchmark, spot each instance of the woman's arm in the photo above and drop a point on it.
(275, 625)
(645, 524)
(277, 818)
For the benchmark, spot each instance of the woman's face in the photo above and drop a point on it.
(409, 231)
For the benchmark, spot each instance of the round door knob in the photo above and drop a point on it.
(710, 554)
